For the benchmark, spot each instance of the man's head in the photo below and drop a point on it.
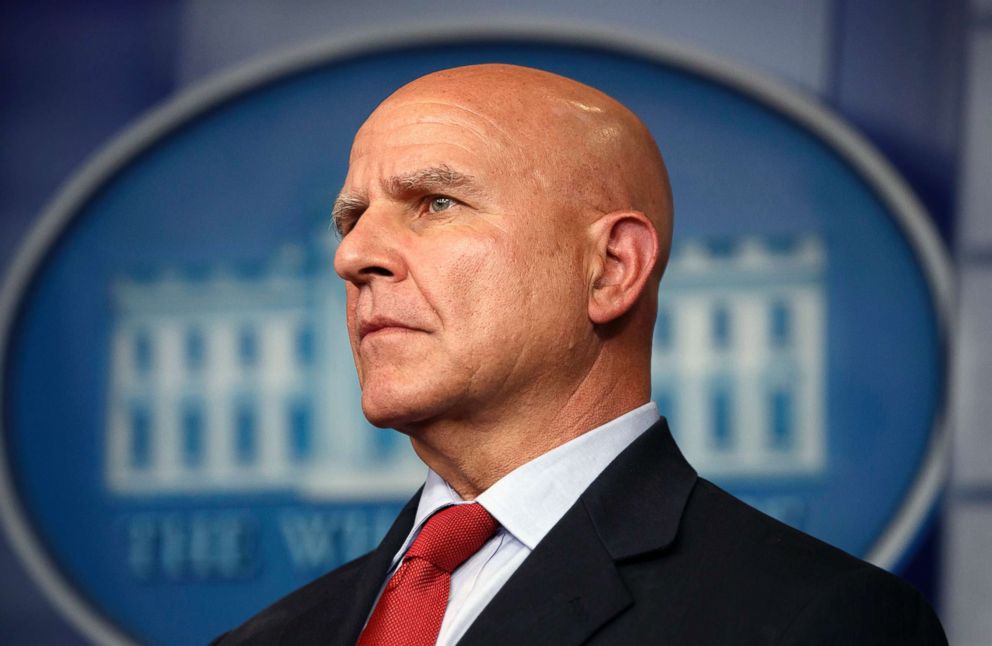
(503, 232)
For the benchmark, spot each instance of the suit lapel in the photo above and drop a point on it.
(570, 585)
(340, 615)
(551, 599)
(637, 502)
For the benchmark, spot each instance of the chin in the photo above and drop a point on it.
(387, 408)
(405, 397)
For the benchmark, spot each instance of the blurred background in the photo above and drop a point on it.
(914, 77)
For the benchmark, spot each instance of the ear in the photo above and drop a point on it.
(625, 249)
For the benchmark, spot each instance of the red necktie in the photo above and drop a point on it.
(412, 605)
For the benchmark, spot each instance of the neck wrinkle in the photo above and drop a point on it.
(471, 459)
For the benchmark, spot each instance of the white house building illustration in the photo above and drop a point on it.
(244, 381)
(738, 359)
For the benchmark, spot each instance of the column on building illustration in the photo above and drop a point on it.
(227, 339)
(273, 455)
(166, 393)
(131, 413)
(751, 357)
(806, 352)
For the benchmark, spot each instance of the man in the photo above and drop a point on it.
(504, 231)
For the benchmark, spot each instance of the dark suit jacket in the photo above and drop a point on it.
(649, 554)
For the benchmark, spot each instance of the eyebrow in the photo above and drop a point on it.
(348, 207)
(427, 180)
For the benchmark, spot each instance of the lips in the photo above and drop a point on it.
(381, 325)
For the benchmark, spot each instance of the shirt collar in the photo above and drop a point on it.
(532, 498)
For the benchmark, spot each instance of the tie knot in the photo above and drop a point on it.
(452, 535)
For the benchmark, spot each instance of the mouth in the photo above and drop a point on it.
(381, 326)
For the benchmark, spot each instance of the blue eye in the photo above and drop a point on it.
(440, 203)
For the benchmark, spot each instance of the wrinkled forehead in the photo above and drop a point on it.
(429, 130)
(505, 126)
(427, 120)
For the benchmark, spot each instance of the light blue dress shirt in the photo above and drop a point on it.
(527, 502)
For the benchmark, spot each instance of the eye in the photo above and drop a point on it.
(342, 224)
(440, 203)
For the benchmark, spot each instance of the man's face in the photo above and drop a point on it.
(465, 279)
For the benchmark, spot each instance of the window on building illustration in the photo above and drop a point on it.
(245, 433)
(300, 431)
(247, 347)
(663, 329)
(720, 327)
(783, 433)
(192, 434)
(304, 345)
(194, 349)
(781, 325)
(721, 416)
(142, 352)
(141, 436)
(721, 247)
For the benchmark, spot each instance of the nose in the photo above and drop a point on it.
(371, 249)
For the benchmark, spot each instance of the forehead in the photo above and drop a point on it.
(404, 135)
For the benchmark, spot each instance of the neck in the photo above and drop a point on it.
(472, 454)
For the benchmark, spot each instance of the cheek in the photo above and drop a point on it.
(498, 288)
(469, 284)
(351, 303)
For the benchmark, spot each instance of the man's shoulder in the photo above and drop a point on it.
(748, 539)
(791, 585)
(267, 625)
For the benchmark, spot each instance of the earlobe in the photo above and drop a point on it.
(626, 248)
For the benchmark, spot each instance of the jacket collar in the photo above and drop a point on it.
(636, 504)
(569, 586)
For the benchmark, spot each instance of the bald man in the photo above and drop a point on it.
(503, 234)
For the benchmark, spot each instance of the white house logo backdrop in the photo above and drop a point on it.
(182, 437)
